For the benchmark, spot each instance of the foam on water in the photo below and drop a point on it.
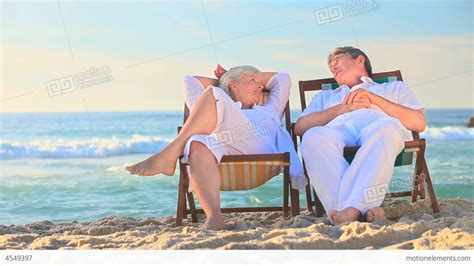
(448, 133)
(85, 148)
(107, 147)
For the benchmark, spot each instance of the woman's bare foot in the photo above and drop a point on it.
(160, 163)
(349, 214)
(376, 213)
(214, 224)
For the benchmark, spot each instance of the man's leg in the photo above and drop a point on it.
(366, 181)
(202, 120)
(205, 180)
(322, 150)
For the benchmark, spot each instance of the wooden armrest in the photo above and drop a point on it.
(257, 157)
(412, 144)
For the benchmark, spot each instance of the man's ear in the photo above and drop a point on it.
(232, 84)
(361, 59)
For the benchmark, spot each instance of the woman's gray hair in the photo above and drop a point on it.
(234, 74)
(353, 53)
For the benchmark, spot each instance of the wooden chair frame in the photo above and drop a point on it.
(184, 196)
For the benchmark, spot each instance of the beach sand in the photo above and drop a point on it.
(409, 226)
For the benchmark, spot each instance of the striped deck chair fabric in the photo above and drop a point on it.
(248, 175)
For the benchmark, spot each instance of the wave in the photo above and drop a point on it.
(89, 148)
(107, 147)
(448, 133)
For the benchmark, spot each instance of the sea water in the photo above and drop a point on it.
(70, 166)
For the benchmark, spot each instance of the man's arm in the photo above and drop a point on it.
(322, 118)
(412, 119)
(316, 119)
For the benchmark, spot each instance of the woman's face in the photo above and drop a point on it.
(248, 90)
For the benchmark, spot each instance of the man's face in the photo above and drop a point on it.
(248, 90)
(346, 70)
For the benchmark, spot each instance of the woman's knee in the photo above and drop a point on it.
(197, 148)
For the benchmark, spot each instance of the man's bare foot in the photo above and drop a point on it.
(331, 215)
(376, 213)
(213, 224)
(159, 163)
(349, 214)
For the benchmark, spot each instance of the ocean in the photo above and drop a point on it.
(69, 166)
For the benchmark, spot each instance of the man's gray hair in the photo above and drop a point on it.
(353, 53)
(234, 74)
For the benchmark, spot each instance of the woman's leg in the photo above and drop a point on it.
(202, 120)
(205, 180)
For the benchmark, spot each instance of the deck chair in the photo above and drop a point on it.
(421, 176)
(243, 172)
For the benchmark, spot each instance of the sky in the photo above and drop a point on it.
(148, 46)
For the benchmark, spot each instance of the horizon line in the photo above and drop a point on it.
(176, 110)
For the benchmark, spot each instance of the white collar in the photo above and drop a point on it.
(366, 81)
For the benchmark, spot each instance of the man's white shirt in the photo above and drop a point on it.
(395, 91)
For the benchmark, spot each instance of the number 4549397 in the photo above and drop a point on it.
(18, 257)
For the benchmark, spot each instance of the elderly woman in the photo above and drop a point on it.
(219, 106)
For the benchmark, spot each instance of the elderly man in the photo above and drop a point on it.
(377, 117)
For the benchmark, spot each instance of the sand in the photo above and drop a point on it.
(409, 226)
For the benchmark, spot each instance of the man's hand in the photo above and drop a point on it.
(359, 103)
(219, 71)
(357, 94)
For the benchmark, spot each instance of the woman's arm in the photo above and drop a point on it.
(219, 71)
(205, 81)
(265, 77)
